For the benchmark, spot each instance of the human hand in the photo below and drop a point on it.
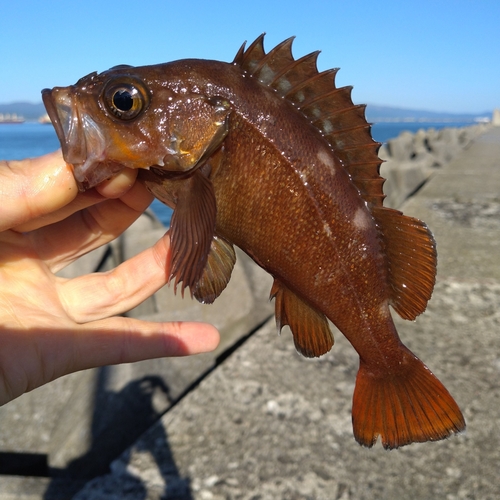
(51, 326)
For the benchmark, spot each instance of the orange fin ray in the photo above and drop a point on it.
(330, 109)
(311, 333)
(411, 255)
(217, 271)
(402, 408)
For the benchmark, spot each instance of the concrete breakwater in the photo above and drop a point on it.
(411, 158)
(254, 419)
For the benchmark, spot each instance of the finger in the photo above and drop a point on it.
(101, 295)
(35, 187)
(116, 187)
(119, 184)
(60, 244)
(80, 202)
(127, 340)
(46, 354)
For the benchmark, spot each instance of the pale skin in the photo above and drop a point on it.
(50, 326)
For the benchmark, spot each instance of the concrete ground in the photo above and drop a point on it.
(266, 423)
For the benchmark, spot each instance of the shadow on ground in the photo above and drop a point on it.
(119, 418)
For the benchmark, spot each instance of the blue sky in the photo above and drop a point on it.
(433, 55)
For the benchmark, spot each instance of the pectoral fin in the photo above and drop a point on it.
(192, 229)
(217, 271)
(206, 272)
(311, 333)
(161, 185)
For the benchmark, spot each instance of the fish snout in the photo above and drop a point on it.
(82, 142)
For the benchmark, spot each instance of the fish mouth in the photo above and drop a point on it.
(82, 143)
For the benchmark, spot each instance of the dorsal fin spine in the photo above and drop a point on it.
(332, 93)
(253, 54)
(350, 129)
(324, 75)
(287, 73)
(356, 108)
(282, 50)
(238, 58)
(302, 93)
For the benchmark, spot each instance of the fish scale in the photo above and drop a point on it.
(266, 153)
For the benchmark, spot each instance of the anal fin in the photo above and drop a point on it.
(411, 255)
(310, 329)
(217, 271)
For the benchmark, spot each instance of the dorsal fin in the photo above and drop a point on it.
(410, 248)
(330, 109)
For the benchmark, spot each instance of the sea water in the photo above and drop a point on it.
(27, 140)
(383, 131)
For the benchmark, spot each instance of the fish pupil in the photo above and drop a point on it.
(123, 100)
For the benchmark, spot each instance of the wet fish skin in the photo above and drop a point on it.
(266, 154)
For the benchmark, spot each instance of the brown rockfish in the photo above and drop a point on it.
(267, 154)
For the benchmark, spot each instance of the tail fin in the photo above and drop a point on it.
(402, 408)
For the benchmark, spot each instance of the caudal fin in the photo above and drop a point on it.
(409, 406)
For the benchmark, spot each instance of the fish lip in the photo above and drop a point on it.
(51, 108)
(82, 143)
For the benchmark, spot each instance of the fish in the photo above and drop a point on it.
(266, 153)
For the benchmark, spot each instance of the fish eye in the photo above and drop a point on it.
(125, 100)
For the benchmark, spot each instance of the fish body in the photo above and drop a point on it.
(267, 154)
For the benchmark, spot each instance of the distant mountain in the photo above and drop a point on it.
(374, 113)
(377, 114)
(28, 110)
